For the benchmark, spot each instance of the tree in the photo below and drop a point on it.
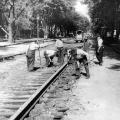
(55, 16)
(105, 14)
(15, 11)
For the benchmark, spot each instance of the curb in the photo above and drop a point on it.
(2, 58)
(25, 42)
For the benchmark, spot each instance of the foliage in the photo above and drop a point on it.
(54, 16)
(105, 14)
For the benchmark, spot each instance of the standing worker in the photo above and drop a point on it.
(60, 50)
(80, 56)
(30, 55)
(99, 50)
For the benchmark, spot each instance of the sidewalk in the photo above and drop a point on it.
(4, 44)
(17, 49)
(97, 98)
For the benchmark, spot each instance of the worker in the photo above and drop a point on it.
(80, 56)
(60, 50)
(99, 50)
(49, 55)
(30, 55)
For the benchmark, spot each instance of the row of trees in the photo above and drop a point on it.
(19, 17)
(105, 15)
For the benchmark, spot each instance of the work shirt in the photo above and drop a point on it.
(59, 43)
(32, 46)
(50, 52)
(100, 41)
(81, 53)
(79, 37)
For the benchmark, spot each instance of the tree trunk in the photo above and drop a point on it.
(55, 31)
(10, 30)
(10, 37)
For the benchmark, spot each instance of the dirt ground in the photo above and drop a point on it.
(97, 98)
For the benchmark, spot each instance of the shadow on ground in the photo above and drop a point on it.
(113, 55)
(110, 53)
(115, 67)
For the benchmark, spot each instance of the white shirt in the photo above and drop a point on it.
(79, 37)
(82, 52)
(59, 43)
(50, 52)
(32, 46)
(100, 42)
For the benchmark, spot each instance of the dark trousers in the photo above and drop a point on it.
(60, 53)
(99, 54)
(30, 59)
(49, 60)
(78, 63)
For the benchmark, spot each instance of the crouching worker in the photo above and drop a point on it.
(49, 55)
(80, 57)
(30, 55)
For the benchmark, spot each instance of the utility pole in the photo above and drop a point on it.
(10, 23)
(38, 26)
(38, 36)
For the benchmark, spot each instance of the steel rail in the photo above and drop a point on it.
(24, 110)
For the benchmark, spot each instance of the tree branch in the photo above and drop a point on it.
(4, 30)
(27, 4)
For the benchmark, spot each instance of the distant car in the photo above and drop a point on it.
(79, 37)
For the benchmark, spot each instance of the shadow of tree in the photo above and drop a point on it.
(3, 48)
(110, 53)
(36, 68)
(115, 67)
(96, 62)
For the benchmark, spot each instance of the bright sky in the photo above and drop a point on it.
(82, 8)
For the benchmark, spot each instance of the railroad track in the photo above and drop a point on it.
(20, 94)
(24, 111)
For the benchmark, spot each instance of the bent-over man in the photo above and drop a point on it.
(49, 55)
(80, 57)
